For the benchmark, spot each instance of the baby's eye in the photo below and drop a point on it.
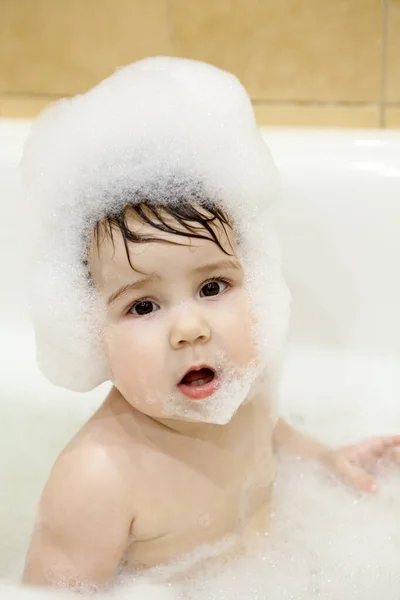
(213, 288)
(143, 307)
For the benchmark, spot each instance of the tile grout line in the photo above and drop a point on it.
(34, 95)
(385, 22)
(312, 103)
(255, 101)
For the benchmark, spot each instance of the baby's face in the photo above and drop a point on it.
(183, 307)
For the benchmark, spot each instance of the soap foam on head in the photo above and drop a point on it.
(154, 128)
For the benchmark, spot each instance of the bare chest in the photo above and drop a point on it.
(198, 493)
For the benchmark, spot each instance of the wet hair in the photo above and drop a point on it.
(193, 220)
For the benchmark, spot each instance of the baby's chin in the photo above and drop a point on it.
(217, 409)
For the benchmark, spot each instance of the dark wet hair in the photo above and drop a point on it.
(194, 220)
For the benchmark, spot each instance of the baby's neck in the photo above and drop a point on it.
(194, 430)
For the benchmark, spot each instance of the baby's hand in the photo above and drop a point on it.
(355, 464)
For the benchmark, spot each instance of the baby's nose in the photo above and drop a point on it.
(189, 328)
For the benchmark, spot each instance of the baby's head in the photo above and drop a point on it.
(178, 329)
(157, 176)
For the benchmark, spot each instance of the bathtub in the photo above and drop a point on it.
(339, 223)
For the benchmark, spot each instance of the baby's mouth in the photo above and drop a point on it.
(199, 383)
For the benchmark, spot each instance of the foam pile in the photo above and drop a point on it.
(160, 130)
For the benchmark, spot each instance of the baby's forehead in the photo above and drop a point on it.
(156, 249)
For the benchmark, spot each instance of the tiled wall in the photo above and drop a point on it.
(303, 62)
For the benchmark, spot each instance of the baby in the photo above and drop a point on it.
(158, 273)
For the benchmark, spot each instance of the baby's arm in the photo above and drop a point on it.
(83, 525)
(288, 439)
(354, 464)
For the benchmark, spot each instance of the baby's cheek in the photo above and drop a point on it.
(240, 331)
(126, 354)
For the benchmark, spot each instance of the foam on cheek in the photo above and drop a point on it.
(160, 130)
(270, 296)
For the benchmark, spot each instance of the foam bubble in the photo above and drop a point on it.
(234, 387)
(140, 591)
(163, 130)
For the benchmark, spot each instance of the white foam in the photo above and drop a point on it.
(160, 129)
(140, 591)
(324, 543)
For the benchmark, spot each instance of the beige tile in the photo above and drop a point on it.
(392, 117)
(393, 52)
(322, 50)
(22, 106)
(64, 47)
(317, 116)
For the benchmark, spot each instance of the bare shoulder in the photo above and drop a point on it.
(97, 464)
(87, 509)
(89, 469)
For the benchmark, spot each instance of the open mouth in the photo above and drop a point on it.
(199, 383)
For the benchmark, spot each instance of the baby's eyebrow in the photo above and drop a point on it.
(221, 264)
(129, 287)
